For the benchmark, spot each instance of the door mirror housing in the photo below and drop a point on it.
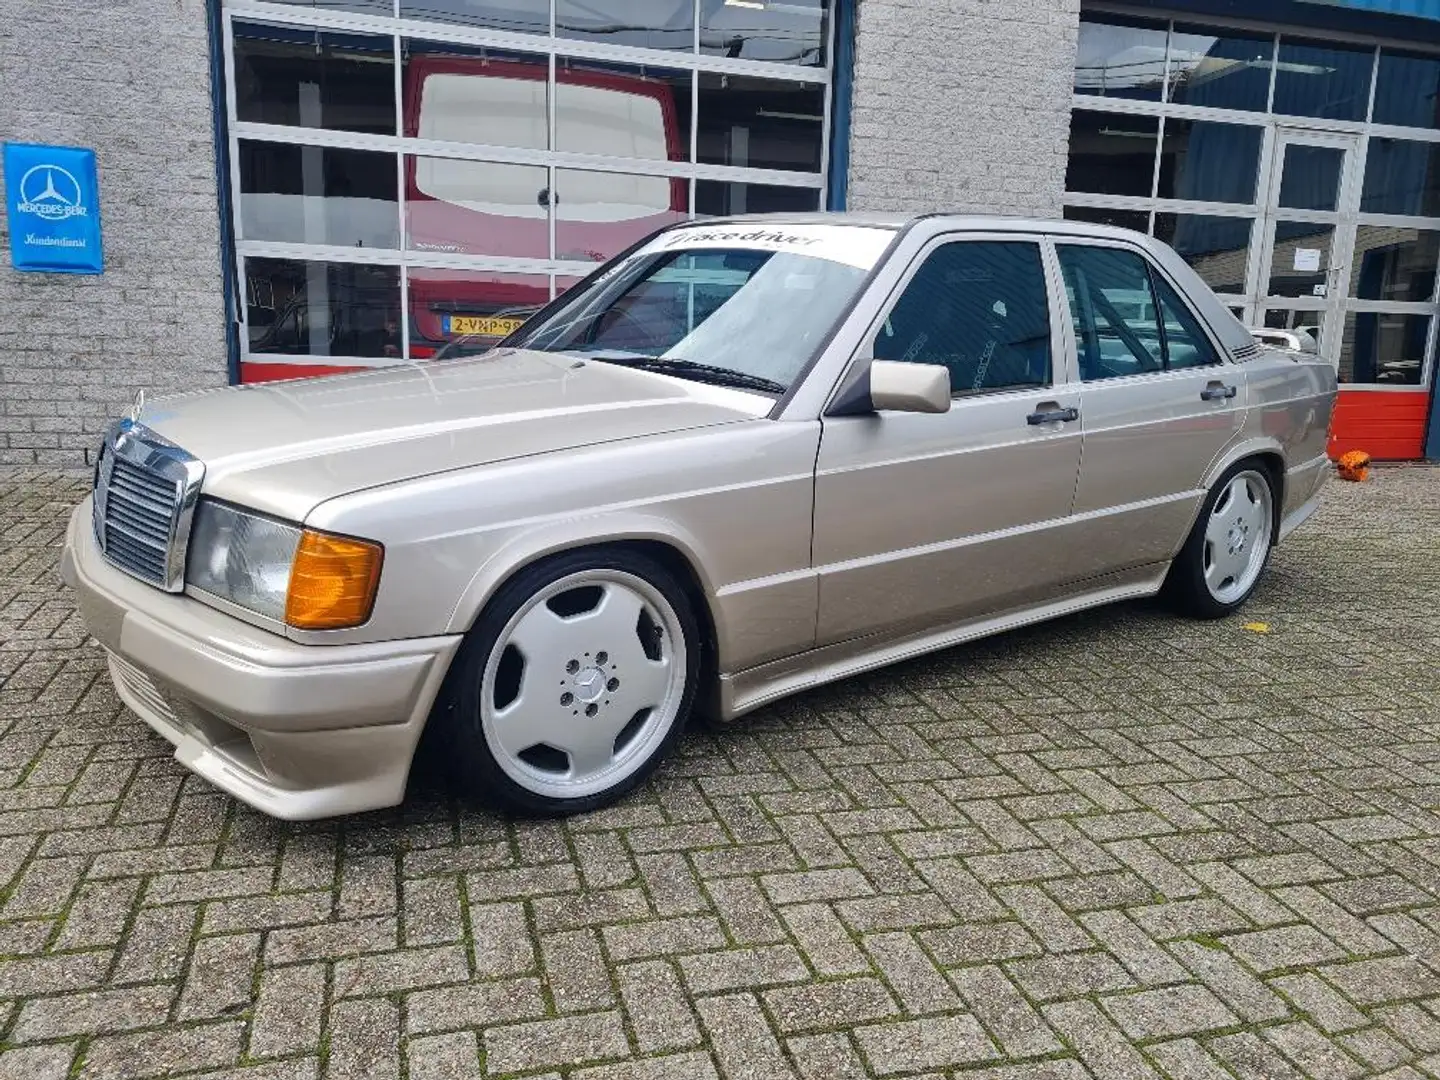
(903, 387)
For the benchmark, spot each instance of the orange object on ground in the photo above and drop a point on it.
(1354, 466)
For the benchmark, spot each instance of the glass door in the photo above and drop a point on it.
(1308, 232)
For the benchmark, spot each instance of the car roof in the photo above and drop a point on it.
(1232, 333)
(967, 222)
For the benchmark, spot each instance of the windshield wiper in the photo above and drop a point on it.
(689, 369)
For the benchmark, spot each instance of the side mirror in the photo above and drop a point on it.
(902, 387)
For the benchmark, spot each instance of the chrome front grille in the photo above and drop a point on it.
(145, 492)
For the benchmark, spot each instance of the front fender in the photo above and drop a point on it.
(543, 539)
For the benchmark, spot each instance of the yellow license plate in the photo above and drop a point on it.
(483, 326)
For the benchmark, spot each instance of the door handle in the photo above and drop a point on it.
(1053, 415)
(1217, 392)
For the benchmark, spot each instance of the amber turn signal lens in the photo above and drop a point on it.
(332, 582)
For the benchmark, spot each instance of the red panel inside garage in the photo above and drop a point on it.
(1387, 425)
(252, 372)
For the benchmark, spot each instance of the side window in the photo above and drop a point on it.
(979, 308)
(1117, 331)
(1186, 344)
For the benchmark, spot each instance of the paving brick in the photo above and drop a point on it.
(98, 915)
(1377, 1048)
(364, 1040)
(812, 885)
(103, 1011)
(663, 937)
(1348, 931)
(157, 946)
(36, 1062)
(747, 917)
(163, 1052)
(563, 1042)
(911, 1045)
(472, 1006)
(388, 973)
(1314, 1054)
(737, 969)
(1169, 1012)
(266, 912)
(1383, 979)
(1321, 1002)
(1284, 947)
(1047, 978)
(1150, 964)
(1249, 1055)
(329, 941)
(48, 974)
(659, 1014)
(575, 971)
(288, 1013)
(696, 1065)
(444, 1057)
(824, 940)
(820, 1005)
(1186, 1059)
(220, 976)
(1412, 1025)
(1184, 918)
(741, 1039)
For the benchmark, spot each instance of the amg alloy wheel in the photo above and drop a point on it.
(1229, 546)
(575, 683)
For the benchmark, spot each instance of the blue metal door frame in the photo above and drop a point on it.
(842, 79)
(1432, 428)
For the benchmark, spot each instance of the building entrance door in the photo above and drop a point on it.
(1307, 235)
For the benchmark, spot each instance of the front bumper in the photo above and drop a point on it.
(296, 731)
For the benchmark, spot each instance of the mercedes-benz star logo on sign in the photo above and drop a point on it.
(52, 193)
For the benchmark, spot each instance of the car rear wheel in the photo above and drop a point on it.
(1229, 546)
(574, 684)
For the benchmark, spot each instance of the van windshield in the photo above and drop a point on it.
(736, 315)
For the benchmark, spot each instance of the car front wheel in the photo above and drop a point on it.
(574, 684)
(1229, 546)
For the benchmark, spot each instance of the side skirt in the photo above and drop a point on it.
(745, 691)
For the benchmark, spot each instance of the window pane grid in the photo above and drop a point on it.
(1221, 81)
(392, 155)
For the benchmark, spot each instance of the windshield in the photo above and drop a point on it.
(692, 305)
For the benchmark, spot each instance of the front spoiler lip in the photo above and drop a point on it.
(336, 725)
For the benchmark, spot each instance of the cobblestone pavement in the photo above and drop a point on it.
(1122, 845)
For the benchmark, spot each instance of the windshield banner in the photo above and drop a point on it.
(855, 245)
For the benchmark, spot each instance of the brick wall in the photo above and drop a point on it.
(131, 79)
(962, 105)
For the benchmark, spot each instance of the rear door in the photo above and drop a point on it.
(1159, 401)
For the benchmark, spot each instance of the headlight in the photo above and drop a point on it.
(242, 558)
(306, 579)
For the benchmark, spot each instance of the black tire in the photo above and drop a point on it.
(1186, 589)
(473, 767)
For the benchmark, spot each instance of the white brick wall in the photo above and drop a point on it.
(131, 79)
(962, 105)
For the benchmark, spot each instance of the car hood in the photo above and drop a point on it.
(284, 448)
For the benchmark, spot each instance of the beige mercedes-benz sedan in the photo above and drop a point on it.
(744, 458)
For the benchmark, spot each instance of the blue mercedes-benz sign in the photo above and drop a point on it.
(52, 206)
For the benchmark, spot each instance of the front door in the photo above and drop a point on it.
(926, 520)
(1303, 273)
